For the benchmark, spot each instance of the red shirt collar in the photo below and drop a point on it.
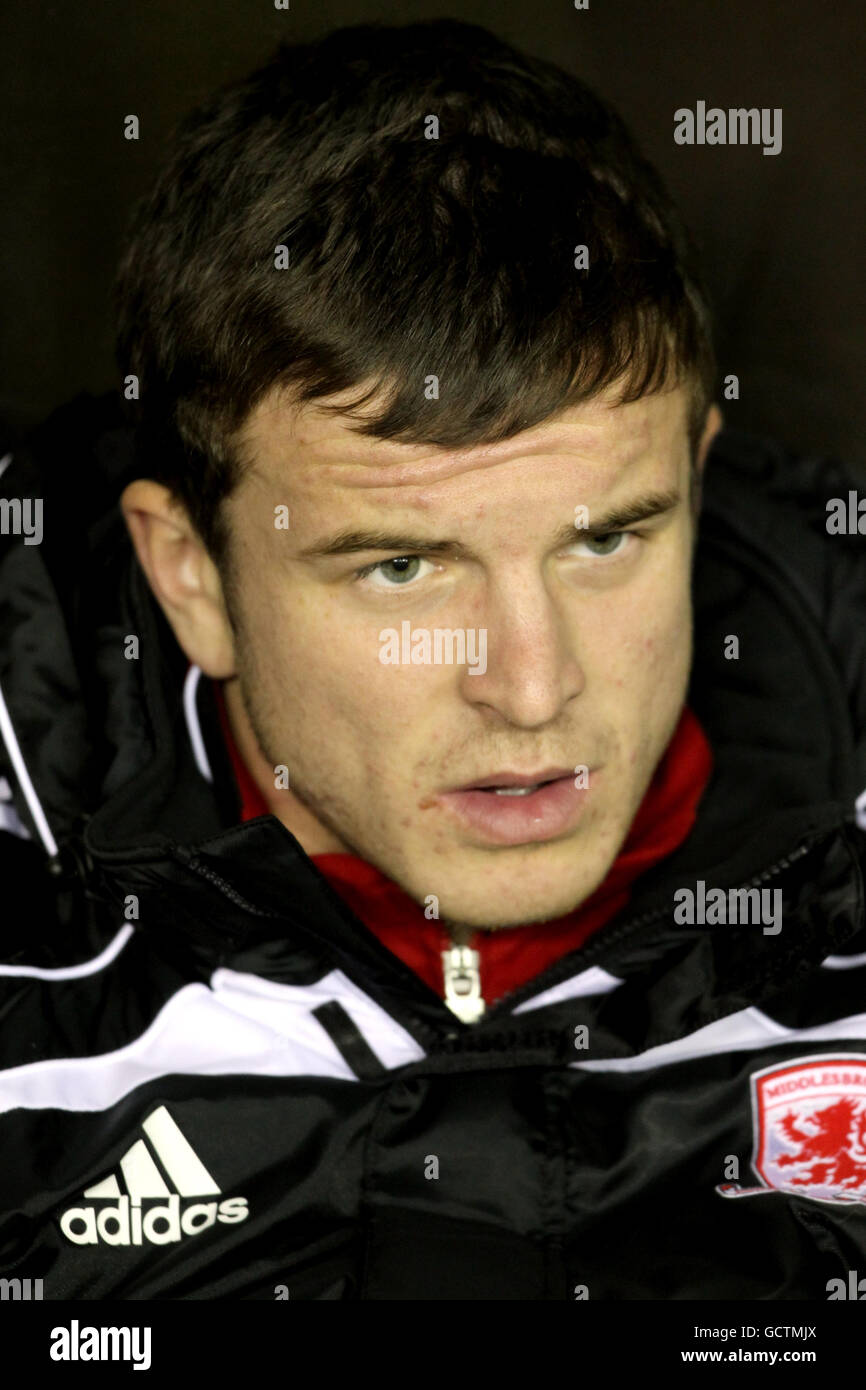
(511, 956)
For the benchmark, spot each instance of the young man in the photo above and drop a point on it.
(438, 862)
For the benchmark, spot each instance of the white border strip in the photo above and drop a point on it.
(190, 687)
(740, 1032)
(591, 981)
(243, 1025)
(8, 732)
(843, 962)
(74, 972)
(11, 822)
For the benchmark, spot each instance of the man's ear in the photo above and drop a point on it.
(182, 575)
(712, 425)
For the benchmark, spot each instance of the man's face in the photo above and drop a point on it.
(578, 649)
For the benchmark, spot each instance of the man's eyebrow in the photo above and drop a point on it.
(638, 509)
(352, 542)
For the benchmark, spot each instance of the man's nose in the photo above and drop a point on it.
(531, 667)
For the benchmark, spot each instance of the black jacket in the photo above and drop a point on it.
(215, 1083)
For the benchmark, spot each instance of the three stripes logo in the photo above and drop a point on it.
(164, 1172)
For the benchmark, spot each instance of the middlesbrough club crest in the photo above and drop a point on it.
(809, 1121)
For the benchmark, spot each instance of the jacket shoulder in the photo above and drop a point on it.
(782, 503)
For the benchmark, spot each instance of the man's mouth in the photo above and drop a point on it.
(514, 808)
(513, 791)
(516, 783)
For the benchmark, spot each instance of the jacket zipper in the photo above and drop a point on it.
(461, 968)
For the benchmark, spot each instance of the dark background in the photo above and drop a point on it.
(781, 236)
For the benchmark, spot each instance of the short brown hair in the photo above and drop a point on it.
(408, 256)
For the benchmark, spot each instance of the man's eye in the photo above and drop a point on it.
(610, 544)
(392, 574)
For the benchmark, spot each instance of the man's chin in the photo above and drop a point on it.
(513, 889)
(492, 920)
(510, 907)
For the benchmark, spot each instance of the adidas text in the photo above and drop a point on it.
(126, 1223)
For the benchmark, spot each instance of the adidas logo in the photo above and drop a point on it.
(127, 1221)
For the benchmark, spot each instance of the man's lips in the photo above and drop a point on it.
(513, 779)
(495, 815)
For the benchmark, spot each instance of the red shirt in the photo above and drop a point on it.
(512, 955)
